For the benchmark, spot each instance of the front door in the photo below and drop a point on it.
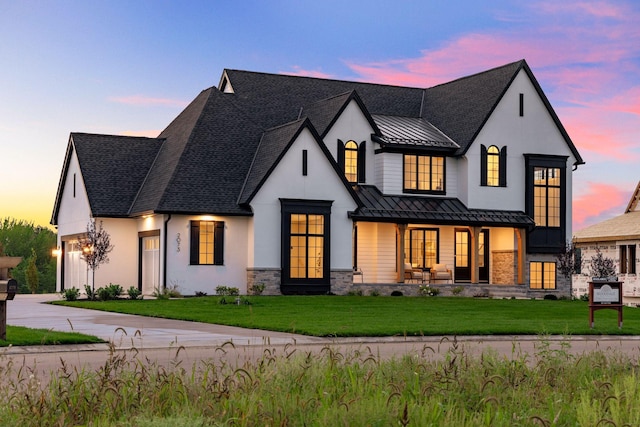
(150, 263)
(463, 256)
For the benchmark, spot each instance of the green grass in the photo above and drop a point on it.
(19, 336)
(385, 316)
(294, 387)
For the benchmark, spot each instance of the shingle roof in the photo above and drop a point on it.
(210, 159)
(113, 169)
(432, 210)
(621, 227)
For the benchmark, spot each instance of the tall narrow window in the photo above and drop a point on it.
(628, 259)
(493, 166)
(542, 275)
(424, 174)
(74, 185)
(351, 161)
(207, 243)
(522, 105)
(546, 197)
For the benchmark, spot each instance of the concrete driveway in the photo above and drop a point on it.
(126, 331)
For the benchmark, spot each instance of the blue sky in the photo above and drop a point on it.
(129, 67)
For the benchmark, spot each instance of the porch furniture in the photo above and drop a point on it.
(441, 272)
(414, 275)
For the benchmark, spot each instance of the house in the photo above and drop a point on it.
(616, 238)
(311, 186)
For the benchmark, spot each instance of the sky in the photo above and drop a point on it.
(129, 67)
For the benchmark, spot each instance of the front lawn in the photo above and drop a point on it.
(384, 316)
(19, 336)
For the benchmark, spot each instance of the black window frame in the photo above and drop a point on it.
(409, 255)
(416, 190)
(543, 274)
(542, 239)
(484, 166)
(627, 259)
(218, 242)
(360, 163)
(309, 286)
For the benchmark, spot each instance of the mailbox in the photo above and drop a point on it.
(8, 289)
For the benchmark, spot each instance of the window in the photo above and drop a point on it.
(542, 275)
(207, 243)
(628, 259)
(351, 159)
(305, 246)
(493, 168)
(423, 173)
(546, 203)
(421, 247)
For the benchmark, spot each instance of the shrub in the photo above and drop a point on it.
(201, 294)
(457, 290)
(71, 294)
(257, 288)
(91, 294)
(428, 291)
(227, 291)
(134, 293)
(160, 294)
(374, 293)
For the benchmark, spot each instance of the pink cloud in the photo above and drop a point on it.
(146, 101)
(599, 202)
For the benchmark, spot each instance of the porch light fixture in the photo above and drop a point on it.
(56, 252)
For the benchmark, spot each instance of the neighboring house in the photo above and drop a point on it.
(616, 238)
(312, 186)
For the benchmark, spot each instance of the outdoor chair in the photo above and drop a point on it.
(441, 272)
(412, 274)
(358, 272)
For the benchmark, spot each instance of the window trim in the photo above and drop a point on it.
(291, 285)
(218, 242)
(408, 241)
(417, 174)
(543, 274)
(361, 156)
(484, 166)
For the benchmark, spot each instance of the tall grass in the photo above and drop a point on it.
(293, 387)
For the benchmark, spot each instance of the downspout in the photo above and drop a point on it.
(166, 251)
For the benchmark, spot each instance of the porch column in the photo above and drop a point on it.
(475, 265)
(400, 232)
(521, 237)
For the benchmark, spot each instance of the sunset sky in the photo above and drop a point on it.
(129, 67)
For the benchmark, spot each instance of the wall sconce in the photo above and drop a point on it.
(56, 252)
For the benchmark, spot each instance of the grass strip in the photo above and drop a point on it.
(21, 336)
(347, 316)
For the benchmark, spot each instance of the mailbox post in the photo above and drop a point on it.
(8, 289)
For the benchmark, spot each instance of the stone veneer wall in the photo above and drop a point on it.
(341, 280)
(504, 267)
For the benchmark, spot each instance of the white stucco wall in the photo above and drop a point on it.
(352, 125)
(287, 182)
(534, 133)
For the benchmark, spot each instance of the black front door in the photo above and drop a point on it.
(483, 256)
(462, 270)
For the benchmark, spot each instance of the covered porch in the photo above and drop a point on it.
(398, 240)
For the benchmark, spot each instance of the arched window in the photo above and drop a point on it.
(493, 166)
(351, 161)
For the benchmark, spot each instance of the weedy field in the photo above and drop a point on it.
(293, 387)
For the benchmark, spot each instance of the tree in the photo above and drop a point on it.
(96, 246)
(32, 272)
(19, 238)
(567, 261)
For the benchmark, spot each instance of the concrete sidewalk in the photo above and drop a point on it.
(126, 331)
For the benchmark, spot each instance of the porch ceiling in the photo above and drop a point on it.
(431, 210)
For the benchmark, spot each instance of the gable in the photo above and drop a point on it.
(352, 124)
(72, 204)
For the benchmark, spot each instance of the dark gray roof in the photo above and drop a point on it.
(210, 158)
(113, 169)
(431, 210)
(411, 131)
